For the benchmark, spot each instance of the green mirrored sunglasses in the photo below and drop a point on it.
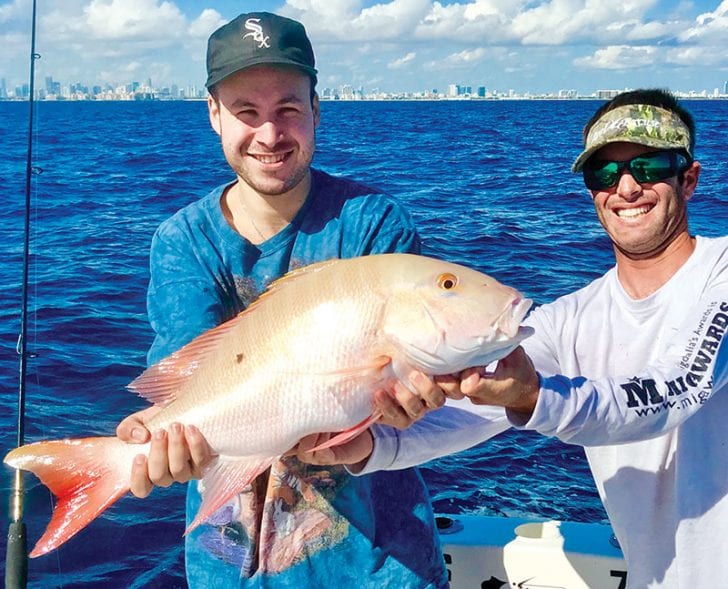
(648, 167)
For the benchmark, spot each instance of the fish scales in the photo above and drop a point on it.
(287, 381)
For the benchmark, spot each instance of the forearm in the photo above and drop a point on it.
(455, 427)
(615, 410)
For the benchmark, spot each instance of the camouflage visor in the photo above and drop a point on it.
(643, 124)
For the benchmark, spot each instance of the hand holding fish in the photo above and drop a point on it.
(175, 456)
(514, 384)
(404, 403)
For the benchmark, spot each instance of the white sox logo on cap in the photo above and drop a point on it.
(258, 38)
(256, 32)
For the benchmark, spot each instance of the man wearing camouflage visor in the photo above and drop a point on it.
(641, 369)
(645, 385)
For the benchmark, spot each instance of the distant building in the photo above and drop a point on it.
(725, 87)
(52, 88)
(607, 94)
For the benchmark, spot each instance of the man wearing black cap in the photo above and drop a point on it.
(650, 334)
(302, 525)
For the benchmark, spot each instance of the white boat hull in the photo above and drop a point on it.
(484, 552)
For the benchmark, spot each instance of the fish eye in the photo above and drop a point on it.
(447, 281)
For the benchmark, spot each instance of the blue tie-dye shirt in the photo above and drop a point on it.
(303, 526)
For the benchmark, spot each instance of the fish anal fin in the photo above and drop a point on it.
(161, 382)
(86, 475)
(223, 479)
(349, 434)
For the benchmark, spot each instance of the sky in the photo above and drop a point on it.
(537, 46)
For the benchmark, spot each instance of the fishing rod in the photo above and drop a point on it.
(16, 556)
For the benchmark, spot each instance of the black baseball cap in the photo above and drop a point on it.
(258, 38)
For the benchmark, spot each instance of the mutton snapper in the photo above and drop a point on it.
(306, 357)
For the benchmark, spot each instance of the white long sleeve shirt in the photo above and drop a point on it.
(643, 385)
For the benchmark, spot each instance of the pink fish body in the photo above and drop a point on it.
(306, 357)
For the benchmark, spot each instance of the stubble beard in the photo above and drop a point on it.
(659, 238)
(271, 185)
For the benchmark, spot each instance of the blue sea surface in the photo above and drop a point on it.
(488, 183)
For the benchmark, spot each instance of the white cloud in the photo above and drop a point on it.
(710, 27)
(560, 22)
(483, 22)
(203, 26)
(388, 21)
(690, 56)
(346, 20)
(144, 23)
(131, 20)
(465, 57)
(620, 57)
(402, 61)
(471, 58)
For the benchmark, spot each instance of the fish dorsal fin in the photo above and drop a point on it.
(160, 383)
(290, 278)
(223, 479)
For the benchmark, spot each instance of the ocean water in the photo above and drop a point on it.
(487, 182)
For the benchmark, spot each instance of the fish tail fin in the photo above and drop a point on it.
(86, 476)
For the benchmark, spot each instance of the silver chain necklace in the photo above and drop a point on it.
(252, 220)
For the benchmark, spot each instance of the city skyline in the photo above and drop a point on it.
(51, 89)
(407, 46)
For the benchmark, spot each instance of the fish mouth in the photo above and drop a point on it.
(449, 358)
(509, 321)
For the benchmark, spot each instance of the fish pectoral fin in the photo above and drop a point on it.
(345, 436)
(223, 479)
(373, 367)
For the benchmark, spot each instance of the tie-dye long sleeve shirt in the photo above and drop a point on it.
(303, 525)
